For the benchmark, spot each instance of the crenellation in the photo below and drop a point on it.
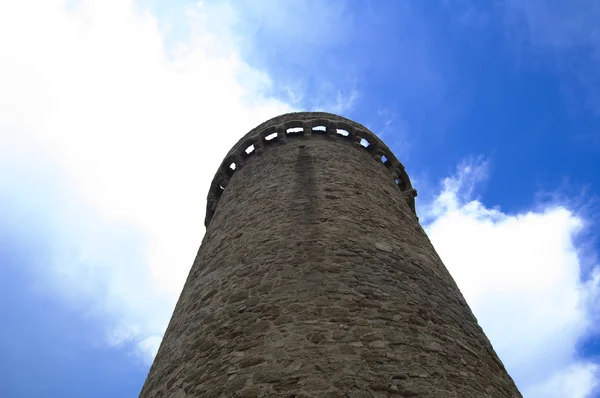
(307, 128)
(295, 131)
(347, 125)
(279, 133)
(357, 139)
(320, 122)
(292, 124)
(271, 135)
(331, 127)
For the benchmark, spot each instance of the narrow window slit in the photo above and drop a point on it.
(383, 159)
(295, 130)
(232, 166)
(364, 143)
(319, 129)
(271, 136)
(249, 150)
(343, 132)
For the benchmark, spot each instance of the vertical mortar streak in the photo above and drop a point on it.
(304, 204)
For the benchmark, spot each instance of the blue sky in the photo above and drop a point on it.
(114, 115)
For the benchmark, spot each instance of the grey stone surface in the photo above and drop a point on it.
(274, 132)
(315, 279)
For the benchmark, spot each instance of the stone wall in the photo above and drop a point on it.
(315, 278)
(276, 131)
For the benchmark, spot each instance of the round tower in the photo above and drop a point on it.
(315, 279)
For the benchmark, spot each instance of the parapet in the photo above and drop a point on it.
(305, 125)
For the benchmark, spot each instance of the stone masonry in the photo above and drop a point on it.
(315, 279)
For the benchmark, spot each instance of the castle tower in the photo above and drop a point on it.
(315, 278)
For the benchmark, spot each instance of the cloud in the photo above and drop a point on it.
(521, 275)
(559, 37)
(109, 141)
(341, 104)
(576, 381)
(565, 33)
(109, 138)
(561, 25)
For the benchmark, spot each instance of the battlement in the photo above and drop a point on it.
(291, 127)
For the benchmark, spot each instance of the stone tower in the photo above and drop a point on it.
(315, 279)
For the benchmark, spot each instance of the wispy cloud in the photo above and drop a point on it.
(522, 276)
(339, 103)
(290, 41)
(559, 25)
(110, 135)
(559, 36)
(568, 32)
(111, 140)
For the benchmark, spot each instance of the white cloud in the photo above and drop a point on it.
(575, 381)
(557, 25)
(109, 141)
(342, 103)
(558, 36)
(521, 275)
(569, 34)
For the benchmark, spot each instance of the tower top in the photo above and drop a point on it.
(294, 126)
